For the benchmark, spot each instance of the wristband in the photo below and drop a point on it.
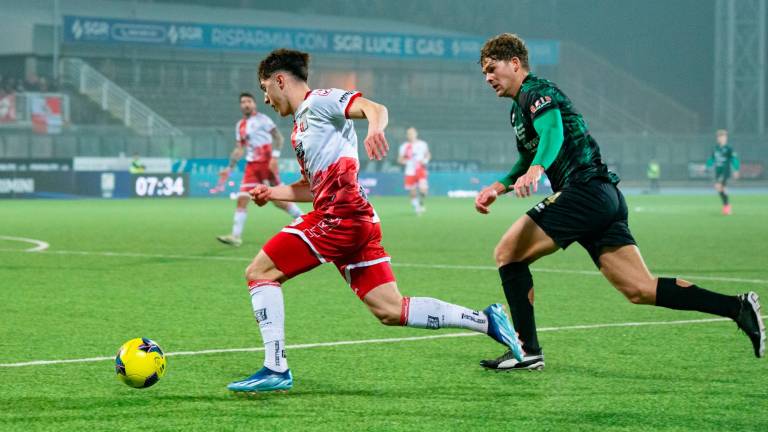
(275, 153)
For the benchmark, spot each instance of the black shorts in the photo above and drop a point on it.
(722, 176)
(593, 214)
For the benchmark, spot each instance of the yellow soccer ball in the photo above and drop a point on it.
(140, 363)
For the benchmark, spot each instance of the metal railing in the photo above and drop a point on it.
(632, 105)
(113, 99)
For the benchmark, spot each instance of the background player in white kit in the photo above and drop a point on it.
(255, 135)
(343, 228)
(414, 154)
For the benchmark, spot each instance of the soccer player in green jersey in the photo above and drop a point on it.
(586, 207)
(723, 158)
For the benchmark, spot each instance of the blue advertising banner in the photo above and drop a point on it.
(164, 34)
(375, 184)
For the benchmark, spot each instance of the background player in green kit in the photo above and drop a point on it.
(723, 158)
(586, 207)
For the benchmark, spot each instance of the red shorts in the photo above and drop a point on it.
(419, 178)
(353, 246)
(258, 173)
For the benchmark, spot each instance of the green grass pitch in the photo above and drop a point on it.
(121, 269)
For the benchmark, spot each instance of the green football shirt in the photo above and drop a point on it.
(579, 159)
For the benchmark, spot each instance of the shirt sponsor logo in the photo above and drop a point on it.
(540, 103)
(299, 149)
(532, 145)
(346, 96)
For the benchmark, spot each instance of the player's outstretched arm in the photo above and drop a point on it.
(296, 192)
(376, 145)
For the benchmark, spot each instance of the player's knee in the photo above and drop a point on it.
(387, 316)
(252, 272)
(637, 293)
(504, 255)
(256, 271)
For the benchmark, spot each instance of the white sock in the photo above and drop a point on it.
(430, 313)
(237, 226)
(415, 203)
(293, 210)
(268, 308)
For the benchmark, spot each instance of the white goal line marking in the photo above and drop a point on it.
(395, 264)
(371, 341)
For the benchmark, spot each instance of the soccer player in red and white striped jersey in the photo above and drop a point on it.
(343, 228)
(255, 135)
(414, 155)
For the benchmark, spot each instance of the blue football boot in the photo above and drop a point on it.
(502, 330)
(264, 380)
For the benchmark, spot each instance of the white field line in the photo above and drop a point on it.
(395, 264)
(372, 341)
(39, 244)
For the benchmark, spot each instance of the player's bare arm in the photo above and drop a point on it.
(235, 156)
(376, 145)
(277, 145)
(295, 192)
(277, 139)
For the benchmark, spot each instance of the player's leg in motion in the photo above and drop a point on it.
(521, 245)
(624, 267)
(391, 308)
(415, 203)
(720, 188)
(272, 177)
(289, 207)
(241, 214)
(264, 287)
(423, 189)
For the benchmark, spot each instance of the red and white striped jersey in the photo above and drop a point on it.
(325, 142)
(415, 155)
(255, 134)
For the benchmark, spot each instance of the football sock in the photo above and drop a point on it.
(673, 296)
(268, 308)
(517, 282)
(433, 314)
(415, 203)
(293, 210)
(724, 198)
(237, 227)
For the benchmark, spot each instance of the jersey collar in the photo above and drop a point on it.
(528, 77)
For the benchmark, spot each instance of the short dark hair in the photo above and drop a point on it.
(503, 47)
(246, 94)
(292, 61)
